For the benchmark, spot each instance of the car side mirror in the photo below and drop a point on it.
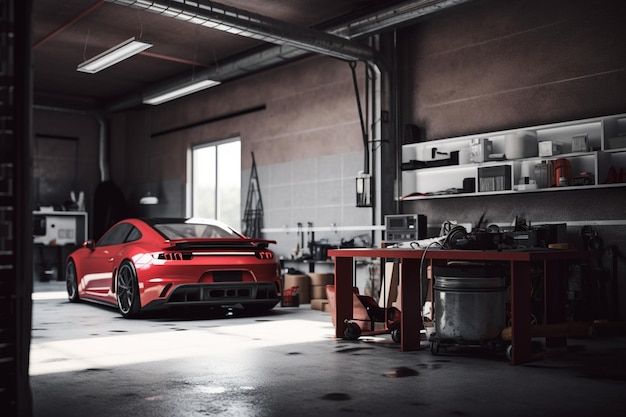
(89, 244)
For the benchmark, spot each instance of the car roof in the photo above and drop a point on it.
(152, 222)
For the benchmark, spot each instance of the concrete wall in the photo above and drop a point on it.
(495, 65)
(65, 157)
(300, 121)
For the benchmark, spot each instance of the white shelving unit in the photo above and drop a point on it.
(590, 167)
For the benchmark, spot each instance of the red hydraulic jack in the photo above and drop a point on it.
(369, 319)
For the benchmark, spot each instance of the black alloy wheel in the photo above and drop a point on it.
(71, 281)
(127, 291)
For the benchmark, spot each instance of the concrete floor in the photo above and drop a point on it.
(87, 360)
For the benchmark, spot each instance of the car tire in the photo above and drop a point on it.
(71, 281)
(127, 291)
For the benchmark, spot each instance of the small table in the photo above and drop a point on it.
(554, 263)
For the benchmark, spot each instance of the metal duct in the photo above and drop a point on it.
(398, 15)
(225, 71)
(251, 25)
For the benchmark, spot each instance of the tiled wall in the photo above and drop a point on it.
(317, 190)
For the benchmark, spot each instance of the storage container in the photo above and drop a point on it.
(469, 302)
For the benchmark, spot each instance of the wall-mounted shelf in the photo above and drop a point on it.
(589, 153)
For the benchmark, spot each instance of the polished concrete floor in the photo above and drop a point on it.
(87, 361)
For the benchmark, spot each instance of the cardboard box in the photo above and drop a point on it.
(480, 149)
(579, 143)
(318, 291)
(550, 148)
(303, 282)
(318, 304)
(322, 278)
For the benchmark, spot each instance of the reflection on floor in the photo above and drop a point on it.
(88, 361)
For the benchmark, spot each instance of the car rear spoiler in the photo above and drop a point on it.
(219, 242)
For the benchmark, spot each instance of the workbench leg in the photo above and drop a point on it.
(555, 299)
(410, 293)
(344, 270)
(521, 343)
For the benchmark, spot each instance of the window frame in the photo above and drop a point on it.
(191, 208)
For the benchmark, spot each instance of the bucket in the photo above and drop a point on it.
(469, 302)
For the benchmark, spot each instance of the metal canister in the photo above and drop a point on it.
(469, 302)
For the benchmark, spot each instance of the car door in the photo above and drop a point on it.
(98, 269)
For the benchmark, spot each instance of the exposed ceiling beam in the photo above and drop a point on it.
(290, 39)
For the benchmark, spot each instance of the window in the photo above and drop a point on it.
(216, 182)
(121, 233)
(193, 230)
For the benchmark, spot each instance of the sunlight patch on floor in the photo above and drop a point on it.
(119, 350)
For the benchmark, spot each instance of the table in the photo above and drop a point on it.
(555, 266)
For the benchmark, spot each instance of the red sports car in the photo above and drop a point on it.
(145, 264)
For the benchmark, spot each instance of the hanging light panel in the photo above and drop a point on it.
(114, 55)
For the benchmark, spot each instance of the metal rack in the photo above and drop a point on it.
(253, 214)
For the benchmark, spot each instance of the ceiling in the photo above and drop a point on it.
(66, 33)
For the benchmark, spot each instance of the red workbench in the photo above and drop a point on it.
(554, 263)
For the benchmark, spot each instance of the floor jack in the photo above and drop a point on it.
(369, 319)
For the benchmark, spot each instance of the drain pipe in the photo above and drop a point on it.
(103, 145)
(366, 160)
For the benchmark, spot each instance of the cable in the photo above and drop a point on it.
(421, 283)
(449, 234)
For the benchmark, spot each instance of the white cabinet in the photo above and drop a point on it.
(55, 235)
(588, 153)
(59, 227)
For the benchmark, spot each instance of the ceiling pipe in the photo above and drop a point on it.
(403, 13)
(399, 15)
(251, 25)
(222, 72)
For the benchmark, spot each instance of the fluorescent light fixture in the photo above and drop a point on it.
(179, 91)
(114, 55)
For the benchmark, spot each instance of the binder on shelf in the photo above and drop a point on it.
(496, 178)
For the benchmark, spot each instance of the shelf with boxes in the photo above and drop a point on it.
(310, 288)
(583, 153)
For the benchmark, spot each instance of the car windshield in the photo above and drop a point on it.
(194, 230)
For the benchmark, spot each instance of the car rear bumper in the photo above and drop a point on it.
(255, 295)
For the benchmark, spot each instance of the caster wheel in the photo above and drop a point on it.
(353, 331)
(395, 336)
(509, 352)
(434, 348)
(536, 347)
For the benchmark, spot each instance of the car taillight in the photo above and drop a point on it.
(265, 254)
(175, 256)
